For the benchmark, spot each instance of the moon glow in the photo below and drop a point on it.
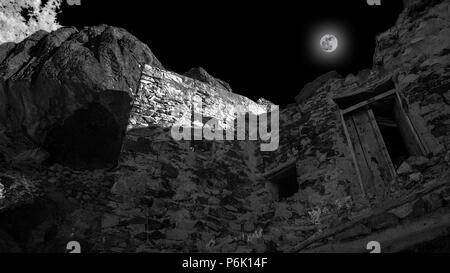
(329, 43)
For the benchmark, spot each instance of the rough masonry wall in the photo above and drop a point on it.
(185, 195)
(420, 62)
(311, 134)
(212, 197)
(166, 98)
(179, 196)
(415, 53)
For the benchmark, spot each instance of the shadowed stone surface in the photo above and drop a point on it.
(46, 80)
(48, 76)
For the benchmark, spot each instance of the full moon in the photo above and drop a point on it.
(329, 43)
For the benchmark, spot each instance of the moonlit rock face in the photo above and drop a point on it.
(329, 43)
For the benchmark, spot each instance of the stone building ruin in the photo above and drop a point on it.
(363, 157)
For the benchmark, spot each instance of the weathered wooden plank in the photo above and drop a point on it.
(386, 207)
(371, 89)
(397, 238)
(352, 152)
(361, 161)
(369, 101)
(371, 148)
(412, 141)
(431, 144)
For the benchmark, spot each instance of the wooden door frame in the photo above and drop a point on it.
(352, 152)
(367, 103)
(410, 125)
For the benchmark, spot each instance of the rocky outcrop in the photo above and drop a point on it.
(73, 91)
(200, 74)
(52, 81)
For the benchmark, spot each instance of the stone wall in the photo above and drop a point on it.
(166, 98)
(213, 196)
(415, 54)
(185, 195)
(216, 196)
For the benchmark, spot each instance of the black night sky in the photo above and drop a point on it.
(263, 49)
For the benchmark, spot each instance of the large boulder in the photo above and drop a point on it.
(68, 88)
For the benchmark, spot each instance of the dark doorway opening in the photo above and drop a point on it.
(90, 139)
(394, 144)
(385, 113)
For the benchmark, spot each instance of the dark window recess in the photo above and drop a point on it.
(391, 130)
(285, 183)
